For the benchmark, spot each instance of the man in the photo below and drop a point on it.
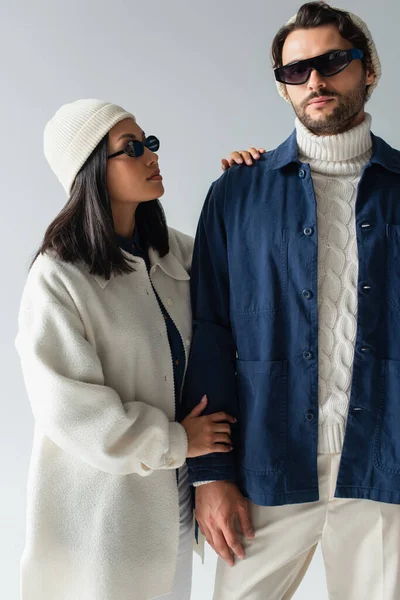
(296, 301)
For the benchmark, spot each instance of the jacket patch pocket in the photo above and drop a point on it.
(259, 272)
(387, 435)
(262, 392)
(393, 264)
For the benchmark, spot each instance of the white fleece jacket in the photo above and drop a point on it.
(103, 518)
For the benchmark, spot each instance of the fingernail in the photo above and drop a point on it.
(240, 161)
(257, 156)
(234, 420)
(204, 398)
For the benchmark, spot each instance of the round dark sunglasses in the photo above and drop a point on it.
(327, 65)
(134, 148)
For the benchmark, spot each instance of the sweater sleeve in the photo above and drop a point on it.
(73, 406)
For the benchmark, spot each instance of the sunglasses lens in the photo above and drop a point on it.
(327, 65)
(134, 149)
(332, 63)
(294, 74)
(152, 143)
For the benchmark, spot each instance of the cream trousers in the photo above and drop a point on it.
(360, 542)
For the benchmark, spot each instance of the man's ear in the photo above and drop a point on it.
(370, 75)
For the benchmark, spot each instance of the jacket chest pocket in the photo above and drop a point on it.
(393, 265)
(259, 272)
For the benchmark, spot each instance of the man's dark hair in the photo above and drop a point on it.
(84, 229)
(316, 14)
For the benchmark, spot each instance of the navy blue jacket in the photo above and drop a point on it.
(255, 343)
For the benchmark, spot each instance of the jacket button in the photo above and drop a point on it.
(310, 415)
(170, 301)
(307, 355)
(365, 226)
(366, 288)
(302, 173)
(308, 231)
(307, 294)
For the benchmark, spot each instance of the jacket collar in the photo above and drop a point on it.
(287, 153)
(385, 155)
(283, 155)
(168, 263)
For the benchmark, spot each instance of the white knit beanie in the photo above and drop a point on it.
(376, 65)
(74, 132)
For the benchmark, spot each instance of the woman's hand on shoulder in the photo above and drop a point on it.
(238, 157)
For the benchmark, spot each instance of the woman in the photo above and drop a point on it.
(104, 333)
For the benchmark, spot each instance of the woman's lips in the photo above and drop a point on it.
(155, 177)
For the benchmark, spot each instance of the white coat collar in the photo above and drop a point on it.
(168, 263)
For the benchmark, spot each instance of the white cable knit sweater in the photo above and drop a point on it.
(336, 164)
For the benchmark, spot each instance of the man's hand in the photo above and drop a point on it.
(218, 504)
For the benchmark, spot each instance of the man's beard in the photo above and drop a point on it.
(342, 116)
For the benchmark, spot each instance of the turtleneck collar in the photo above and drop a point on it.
(342, 154)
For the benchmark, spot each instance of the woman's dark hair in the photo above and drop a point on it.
(84, 229)
(315, 14)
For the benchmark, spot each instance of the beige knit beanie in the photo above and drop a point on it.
(371, 45)
(74, 132)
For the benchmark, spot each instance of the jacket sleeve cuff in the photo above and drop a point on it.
(200, 483)
(210, 473)
(176, 455)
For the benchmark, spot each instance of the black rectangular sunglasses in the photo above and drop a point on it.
(327, 65)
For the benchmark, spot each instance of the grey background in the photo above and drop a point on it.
(197, 74)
